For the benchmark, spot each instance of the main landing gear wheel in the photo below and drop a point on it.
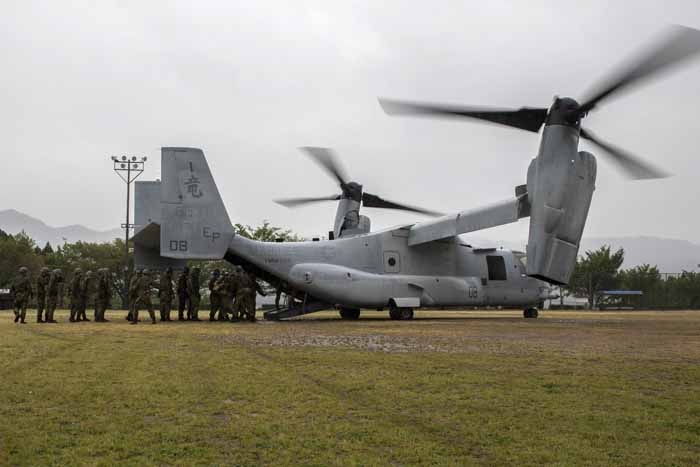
(400, 313)
(530, 313)
(349, 313)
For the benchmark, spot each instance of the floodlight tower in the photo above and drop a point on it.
(128, 169)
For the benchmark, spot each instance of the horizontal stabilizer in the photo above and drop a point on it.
(147, 250)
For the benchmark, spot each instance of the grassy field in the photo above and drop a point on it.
(458, 388)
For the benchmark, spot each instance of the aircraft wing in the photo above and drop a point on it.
(471, 220)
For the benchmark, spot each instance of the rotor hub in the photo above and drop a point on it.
(565, 111)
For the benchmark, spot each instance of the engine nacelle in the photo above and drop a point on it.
(560, 190)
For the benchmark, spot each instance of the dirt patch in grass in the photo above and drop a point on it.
(647, 335)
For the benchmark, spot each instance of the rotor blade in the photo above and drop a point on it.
(373, 201)
(294, 202)
(525, 118)
(326, 159)
(681, 44)
(634, 167)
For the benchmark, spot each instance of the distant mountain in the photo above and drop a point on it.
(13, 222)
(669, 255)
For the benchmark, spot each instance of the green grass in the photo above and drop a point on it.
(470, 388)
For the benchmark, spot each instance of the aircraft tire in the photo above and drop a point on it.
(530, 313)
(349, 313)
(405, 313)
(400, 314)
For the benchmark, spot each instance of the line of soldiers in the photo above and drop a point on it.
(48, 290)
(232, 294)
(84, 289)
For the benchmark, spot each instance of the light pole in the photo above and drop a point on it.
(128, 169)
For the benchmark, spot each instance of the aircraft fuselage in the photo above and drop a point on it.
(372, 269)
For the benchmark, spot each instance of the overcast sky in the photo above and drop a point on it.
(249, 82)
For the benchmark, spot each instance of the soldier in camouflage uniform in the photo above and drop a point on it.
(103, 295)
(225, 287)
(53, 292)
(219, 288)
(132, 292)
(183, 298)
(75, 294)
(143, 297)
(21, 291)
(41, 283)
(238, 285)
(214, 297)
(165, 294)
(252, 295)
(245, 297)
(86, 296)
(194, 295)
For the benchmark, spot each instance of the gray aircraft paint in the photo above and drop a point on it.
(147, 220)
(560, 185)
(366, 270)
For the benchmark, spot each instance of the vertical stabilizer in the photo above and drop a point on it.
(194, 224)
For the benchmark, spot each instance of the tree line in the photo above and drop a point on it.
(600, 270)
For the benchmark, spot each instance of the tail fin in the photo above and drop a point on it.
(194, 224)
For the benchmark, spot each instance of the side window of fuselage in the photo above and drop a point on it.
(497, 268)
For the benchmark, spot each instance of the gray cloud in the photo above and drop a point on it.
(251, 81)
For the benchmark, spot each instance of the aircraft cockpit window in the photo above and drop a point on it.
(497, 268)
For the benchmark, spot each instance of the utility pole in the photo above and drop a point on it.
(128, 169)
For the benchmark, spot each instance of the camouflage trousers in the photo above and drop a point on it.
(166, 304)
(82, 316)
(142, 302)
(132, 301)
(244, 307)
(40, 307)
(74, 309)
(193, 309)
(20, 309)
(183, 303)
(215, 307)
(100, 309)
(51, 303)
(226, 307)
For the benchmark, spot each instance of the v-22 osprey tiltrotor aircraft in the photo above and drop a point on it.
(423, 264)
